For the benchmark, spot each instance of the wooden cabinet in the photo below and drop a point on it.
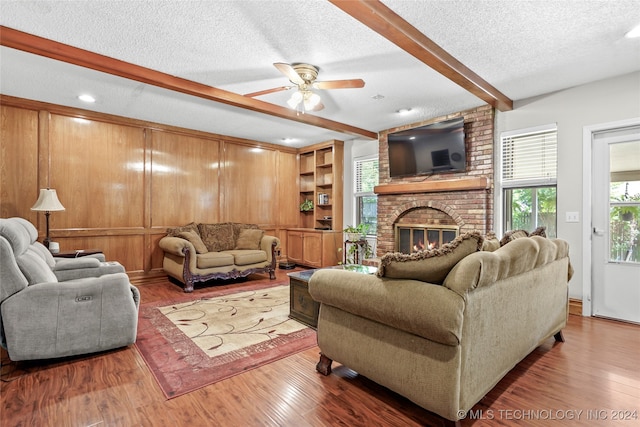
(314, 248)
(321, 181)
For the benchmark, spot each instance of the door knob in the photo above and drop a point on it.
(598, 231)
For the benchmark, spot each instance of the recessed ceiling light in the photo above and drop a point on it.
(635, 32)
(287, 140)
(378, 97)
(86, 98)
(404, 111)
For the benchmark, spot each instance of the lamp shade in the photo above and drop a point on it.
(47, 201)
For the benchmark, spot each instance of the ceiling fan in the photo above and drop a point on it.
(303, 76)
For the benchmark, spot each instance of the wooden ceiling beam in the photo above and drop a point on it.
(72, 55)
(394, 28)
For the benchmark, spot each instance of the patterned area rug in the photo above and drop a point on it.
(190, 343)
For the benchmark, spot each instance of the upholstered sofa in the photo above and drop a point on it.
(200, 252)
(52, 308)
(443, 328)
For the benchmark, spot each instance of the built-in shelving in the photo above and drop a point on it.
(320, 180)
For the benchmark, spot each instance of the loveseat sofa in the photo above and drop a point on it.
(443, 327)
(200, 252)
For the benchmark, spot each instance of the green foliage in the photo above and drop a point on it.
(307, 205)
(361, 229)
(527, 216)
(623, 225)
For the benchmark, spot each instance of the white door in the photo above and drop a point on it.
(615, 224)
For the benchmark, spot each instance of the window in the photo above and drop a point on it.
(366, 202)
(528, 179)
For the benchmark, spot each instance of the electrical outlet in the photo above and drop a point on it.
(573, 217)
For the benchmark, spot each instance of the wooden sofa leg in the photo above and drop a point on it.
(324, 365)
(188, 286)
(559, 337)
(272, 274)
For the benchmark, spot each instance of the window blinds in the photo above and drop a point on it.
(529, 158)
(366, 175)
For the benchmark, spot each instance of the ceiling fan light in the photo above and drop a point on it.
(311, 101)
(295, 99)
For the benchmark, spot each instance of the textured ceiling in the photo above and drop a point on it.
(523, 48)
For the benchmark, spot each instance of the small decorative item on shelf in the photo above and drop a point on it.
(306, 206)
(323, 199)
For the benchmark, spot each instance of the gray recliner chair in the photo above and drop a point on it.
(53, 308)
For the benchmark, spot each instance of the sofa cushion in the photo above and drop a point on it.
(433, 265)
(217, 237)
(249, 238)
(195, 240)
(520, 256)
(214, 259)
(174, 232)
(34, 268)
(247, 257)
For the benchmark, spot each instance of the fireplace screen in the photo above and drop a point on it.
(414, 238)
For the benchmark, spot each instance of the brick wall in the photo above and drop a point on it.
(469, 210)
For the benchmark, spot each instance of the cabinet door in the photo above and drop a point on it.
(312, 249)
(294, 246)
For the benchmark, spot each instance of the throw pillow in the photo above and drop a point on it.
(249, 239)
(195, 240)
(217, 237)
(540, 231)
(430, 266)
(491, 242)
(513, 235)
(238, 227)
(174, 232)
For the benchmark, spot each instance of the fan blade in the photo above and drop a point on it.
(288, 71)
(264, 92)
(340, 84)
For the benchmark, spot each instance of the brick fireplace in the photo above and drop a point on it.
(462, 201)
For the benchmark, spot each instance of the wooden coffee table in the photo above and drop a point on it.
(304, 308)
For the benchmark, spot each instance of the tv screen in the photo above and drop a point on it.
(434, 148)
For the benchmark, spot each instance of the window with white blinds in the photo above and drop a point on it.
(366, 175)
(366, 202)
(529, 157)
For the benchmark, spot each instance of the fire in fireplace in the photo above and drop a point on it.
(412, 238)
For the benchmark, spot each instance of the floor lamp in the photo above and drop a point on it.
(47, 202)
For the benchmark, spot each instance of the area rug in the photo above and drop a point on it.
(191, 342)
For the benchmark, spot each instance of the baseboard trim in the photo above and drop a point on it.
(575, 306)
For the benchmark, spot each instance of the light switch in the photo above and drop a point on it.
(573, 216)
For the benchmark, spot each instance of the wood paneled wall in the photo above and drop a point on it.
(123, 182)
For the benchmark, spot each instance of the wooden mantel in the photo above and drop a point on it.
(463, 184)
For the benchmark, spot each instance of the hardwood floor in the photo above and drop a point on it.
(591, 379)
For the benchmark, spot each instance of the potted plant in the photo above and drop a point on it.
(306, 206)
(356, 233)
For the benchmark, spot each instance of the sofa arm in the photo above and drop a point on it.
(269, 244)
(75, 263)
(424, 309)
(176, 245)
(70, 271)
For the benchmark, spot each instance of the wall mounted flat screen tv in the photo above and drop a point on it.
(425, 150)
